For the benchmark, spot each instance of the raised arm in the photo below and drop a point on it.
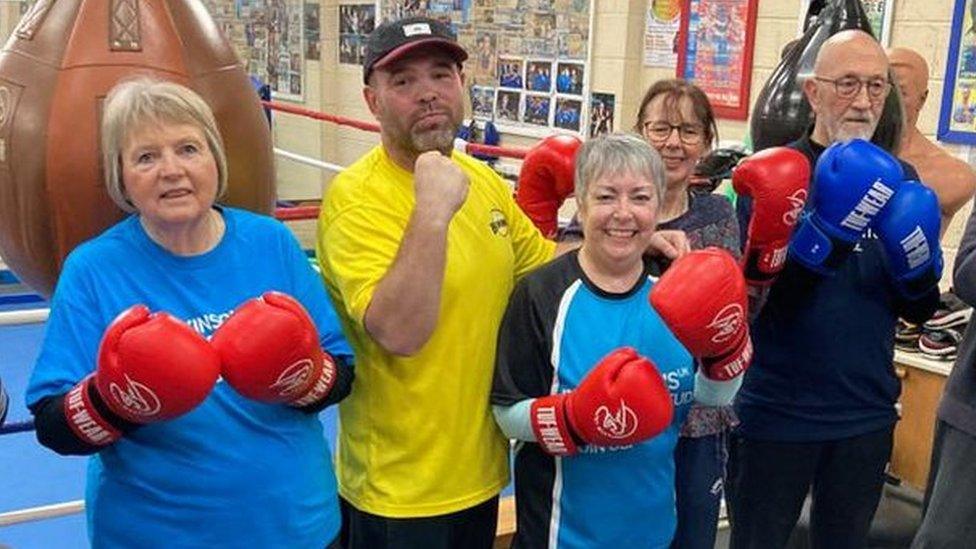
(403, 311)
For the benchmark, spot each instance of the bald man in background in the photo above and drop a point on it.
(817, 405)
(953, 181)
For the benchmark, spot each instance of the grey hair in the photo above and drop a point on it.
(618, 153)
(134, 103)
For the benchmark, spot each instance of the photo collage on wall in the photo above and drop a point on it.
(268, 37)
(356, 21)
(527, 67)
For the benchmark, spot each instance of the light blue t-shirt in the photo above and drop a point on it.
(233, 472)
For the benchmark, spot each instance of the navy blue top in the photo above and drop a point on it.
(824, 347)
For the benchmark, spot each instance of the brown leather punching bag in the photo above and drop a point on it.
(55, 70)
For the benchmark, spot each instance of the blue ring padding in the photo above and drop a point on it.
(18, 299)
(17, 427)
(7, 277)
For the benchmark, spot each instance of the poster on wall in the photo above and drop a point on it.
(879, 12)
(268, 36)
(957, 114)
(601, 113)
(661, 33)
(313, 43)
(531, 54)
(715, 45)
(356, 21)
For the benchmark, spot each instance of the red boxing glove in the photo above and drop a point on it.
(151, 367)
(269, 350)
(702, 298)
(777, 180)
(621, 401)
(546, 180)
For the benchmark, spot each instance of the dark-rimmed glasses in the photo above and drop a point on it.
(658, 131)
(847, 87)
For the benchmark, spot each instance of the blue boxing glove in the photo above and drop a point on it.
(852, 183)
(909, 230)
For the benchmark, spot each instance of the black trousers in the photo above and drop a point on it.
(949, 516)
(768, 482)
(472, 528)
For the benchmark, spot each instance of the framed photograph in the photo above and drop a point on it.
(537, 109)
(507, 105)
(569, 78)
(538, 76)
(957, 115)
(482, 102)
(510, 73)
(356, 21)
(568, 114)
(601, 113)
(880, 13)
(715, 43)
(349, 50)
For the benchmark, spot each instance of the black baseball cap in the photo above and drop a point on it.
(394, 39)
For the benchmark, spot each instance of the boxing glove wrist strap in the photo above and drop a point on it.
(731, 364)
(762, 265)
(85, 419)
(322, 387)
(551, 426)
(817, 250)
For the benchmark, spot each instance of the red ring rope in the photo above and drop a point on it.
(475, 148)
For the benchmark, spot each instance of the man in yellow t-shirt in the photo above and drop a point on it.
(420, 246)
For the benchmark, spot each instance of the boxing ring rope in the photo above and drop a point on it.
(42, 512)
(308, 161)
(297, 213)
(471, 148)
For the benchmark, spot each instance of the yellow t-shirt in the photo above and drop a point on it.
(417, 437)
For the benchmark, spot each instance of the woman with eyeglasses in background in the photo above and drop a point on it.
(676, 118)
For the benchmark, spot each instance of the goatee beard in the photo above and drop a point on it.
(434, 140)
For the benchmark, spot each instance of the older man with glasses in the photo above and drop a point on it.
(817, 407)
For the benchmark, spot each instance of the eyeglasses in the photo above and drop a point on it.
(847, 87)
(689, 134)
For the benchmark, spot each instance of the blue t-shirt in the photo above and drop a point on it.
(560, 324)
(233, 472)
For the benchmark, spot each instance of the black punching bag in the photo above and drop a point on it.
(782, 113)
(813, 13)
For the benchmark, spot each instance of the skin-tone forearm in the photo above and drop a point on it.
(403, 312)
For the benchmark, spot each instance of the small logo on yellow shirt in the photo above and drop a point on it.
(498, 223)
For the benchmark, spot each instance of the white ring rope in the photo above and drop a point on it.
(29, 316)
(310, 161)
(42, 513)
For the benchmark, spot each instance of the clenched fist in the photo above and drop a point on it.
(440, 187)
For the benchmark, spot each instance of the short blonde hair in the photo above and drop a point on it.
(131, 105)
